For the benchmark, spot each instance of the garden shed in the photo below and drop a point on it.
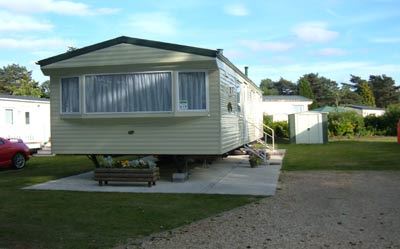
(136, 96)
(308, 128)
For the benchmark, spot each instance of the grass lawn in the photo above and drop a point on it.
(381, 153)
(62, 219)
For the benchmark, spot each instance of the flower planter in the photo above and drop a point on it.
(104, 175)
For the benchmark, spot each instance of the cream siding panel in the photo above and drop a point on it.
(238, 127)
(127, 54)
(156, 135)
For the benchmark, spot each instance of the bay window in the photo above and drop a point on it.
(144, 92)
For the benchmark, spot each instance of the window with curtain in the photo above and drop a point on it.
(192, 91)
(70, 95)
(139, 92)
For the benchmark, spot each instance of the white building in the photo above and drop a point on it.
(280, 106)
(27, 118)
(367, 110)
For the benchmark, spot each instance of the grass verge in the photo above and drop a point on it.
(61, 219)
(359, 154)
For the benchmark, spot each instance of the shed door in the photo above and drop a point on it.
(308, 129)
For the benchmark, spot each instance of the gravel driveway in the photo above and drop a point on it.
(310, 210)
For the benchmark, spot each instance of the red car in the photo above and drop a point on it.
(13, 152)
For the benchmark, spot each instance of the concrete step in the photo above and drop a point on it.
(44, 152)
(49, 155)
(280, 152)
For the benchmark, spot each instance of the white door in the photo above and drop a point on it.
(308, 129)
(315, 133)
(302, 136)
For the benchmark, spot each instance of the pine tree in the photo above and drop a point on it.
(325, 91)
(367, 96)
(305, 89)
(27, 87)
(385, 90)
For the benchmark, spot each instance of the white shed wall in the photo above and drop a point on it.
(308, 128)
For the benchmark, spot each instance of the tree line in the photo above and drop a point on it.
(379, 90)
(17, 80)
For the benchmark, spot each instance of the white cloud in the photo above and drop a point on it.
(314, 32)
(331, 52)
(386, 40)
(153, 23)
(17, 23)
(236, 10)
(34, 44)
(54, 6)
(267, 46)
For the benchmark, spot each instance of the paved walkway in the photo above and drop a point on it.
(231, 175)
(311, 210)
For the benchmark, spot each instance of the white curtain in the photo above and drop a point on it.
(192, 90)
(141, 92)
(70, 95)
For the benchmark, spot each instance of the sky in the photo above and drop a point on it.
(288, 39)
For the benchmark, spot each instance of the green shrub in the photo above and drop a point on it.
(385, 125)
(281, 128)
(345, 124)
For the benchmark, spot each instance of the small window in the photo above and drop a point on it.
(298, 108)
(27, 118)
(9, 116)
(238, 97)
(192, 91)
(70, 95)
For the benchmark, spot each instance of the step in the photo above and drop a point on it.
(280, 152)
(44, 152)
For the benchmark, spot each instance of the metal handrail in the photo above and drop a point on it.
(254, 152)
(272, 135)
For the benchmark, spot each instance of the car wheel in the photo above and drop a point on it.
(18, 161)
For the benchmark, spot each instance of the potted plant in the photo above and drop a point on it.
(255, 160)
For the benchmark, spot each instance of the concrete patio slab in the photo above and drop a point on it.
(231, 175)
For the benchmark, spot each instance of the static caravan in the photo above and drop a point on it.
(366, 110)
(280, 106)
(27, 118)
(135, 96)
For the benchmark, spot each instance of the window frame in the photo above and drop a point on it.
(206, 89)
(79, 97)
(27, 118)
(12, 115)
(126, 113)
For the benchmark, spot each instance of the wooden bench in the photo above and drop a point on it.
(104, 175)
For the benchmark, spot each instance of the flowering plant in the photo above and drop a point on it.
(143, 163)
